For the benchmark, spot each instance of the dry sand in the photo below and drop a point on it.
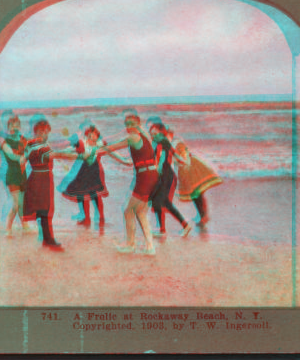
(244, 259)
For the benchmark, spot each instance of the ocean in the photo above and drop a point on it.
(249, 142)
(239, 140)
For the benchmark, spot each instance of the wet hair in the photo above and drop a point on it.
(41, 125)
(160, 127)
(92, 129)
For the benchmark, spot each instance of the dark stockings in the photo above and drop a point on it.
(201, 205)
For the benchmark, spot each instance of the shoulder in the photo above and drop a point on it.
(134, 138)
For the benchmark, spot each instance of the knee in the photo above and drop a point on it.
(128, 212)
(15, 208)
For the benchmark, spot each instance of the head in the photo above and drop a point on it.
(36, 118)
(158, 132)
(7, 118)
(132, 122)
(14, 125)
(42, 129)
(182, 149)
(92, 134)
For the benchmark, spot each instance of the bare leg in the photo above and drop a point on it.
(130, 221)
(142, 215)
(13, 211)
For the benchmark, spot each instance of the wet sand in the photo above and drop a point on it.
(243, 259)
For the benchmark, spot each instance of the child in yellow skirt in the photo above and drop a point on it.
(194, 178)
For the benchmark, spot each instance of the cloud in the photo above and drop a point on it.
(145, 48)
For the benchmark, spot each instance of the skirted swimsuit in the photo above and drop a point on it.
(195, 179)
(39, 192)
(16, 173)
(89, 182)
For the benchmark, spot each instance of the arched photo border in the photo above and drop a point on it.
(15, 12)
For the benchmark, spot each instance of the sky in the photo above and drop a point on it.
(80, 49)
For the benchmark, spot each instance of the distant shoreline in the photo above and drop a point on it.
(195, 107)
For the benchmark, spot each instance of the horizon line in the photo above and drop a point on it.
(144, 101)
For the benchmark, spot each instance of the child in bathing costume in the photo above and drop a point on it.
(13, 149)
(39, 192)
(143, 159)
(162, 199)
(89, 183)
(194, 178)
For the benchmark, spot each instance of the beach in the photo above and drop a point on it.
(244, 258)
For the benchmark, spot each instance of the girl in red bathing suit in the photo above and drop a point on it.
(146, 173)
(146, 180)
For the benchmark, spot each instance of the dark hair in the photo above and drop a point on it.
(92, 129)
(41, 125)
(160, 127)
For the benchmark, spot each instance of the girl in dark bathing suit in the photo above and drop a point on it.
(162, 199)
(89, 183)
(143, 159)
(13, 149)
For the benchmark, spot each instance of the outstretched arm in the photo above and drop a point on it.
(118, 145)
(121, 159)
(63, 155)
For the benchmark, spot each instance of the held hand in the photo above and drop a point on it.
(22, 160)
(128, 162)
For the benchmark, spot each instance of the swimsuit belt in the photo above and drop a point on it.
(152, 167)
(41, 170)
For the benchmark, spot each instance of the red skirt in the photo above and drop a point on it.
(145, 184)
(39, 195)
